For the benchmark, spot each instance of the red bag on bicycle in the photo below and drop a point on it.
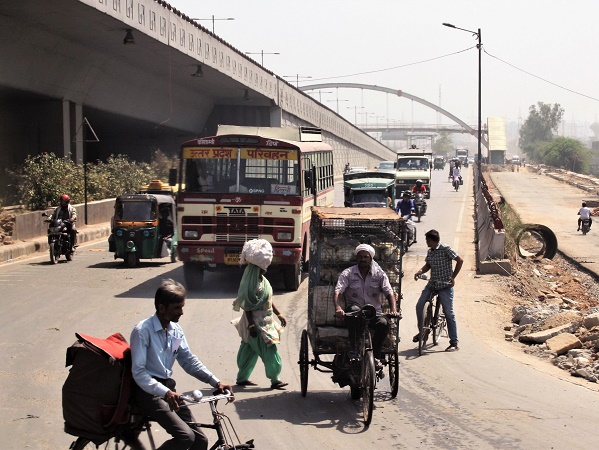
(95, 395)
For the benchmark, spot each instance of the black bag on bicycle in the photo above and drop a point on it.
(95, 395)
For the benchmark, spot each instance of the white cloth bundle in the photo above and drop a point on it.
(258, 252)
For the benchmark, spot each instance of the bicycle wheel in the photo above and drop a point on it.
(435, 324)
(394, 372)
(368, 383)
(425, 326)
(304, 363)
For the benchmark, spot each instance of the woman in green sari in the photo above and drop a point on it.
(259, 330)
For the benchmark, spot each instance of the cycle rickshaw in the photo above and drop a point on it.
(334, 234)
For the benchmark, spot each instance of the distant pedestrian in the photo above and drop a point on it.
(259, 331)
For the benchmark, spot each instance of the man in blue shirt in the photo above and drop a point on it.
(406, 206)
(155, 345)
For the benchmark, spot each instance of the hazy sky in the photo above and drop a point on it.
(368, 42)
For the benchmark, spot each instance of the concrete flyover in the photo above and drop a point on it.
(399, 93)
(66, 60)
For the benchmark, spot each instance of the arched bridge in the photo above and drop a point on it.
(399, 93)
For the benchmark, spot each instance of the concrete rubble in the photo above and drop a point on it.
(568, 337)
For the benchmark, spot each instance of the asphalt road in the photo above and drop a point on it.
(481, 397)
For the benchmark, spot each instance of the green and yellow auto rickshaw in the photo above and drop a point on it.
(143, 227)
(439, 163)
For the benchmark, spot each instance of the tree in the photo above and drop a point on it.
(443, 144)
(568, 153)
(539, 127)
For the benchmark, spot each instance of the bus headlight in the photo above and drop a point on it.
(283, 236)
(190, 234)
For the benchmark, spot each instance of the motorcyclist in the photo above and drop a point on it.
(419, 188)
(68, 213)
(584, 213)
(405, 207)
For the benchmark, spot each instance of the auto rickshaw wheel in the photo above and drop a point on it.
(132, 259)
(194, 276)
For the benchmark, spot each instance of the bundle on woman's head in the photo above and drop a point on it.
(257, 252)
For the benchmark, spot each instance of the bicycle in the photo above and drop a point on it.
(127, 434)
(432, 320)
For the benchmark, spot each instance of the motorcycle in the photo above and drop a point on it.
(456, 182)
(408, 235)
(59, 240)
(419, 205)
(585, 226)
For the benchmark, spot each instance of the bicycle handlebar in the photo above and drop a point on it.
(196, 396)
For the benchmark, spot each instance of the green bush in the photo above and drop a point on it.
(41, 179)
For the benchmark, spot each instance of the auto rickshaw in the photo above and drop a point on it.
(143, 227)
(439, 163)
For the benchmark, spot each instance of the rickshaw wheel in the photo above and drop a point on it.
(368, 383)
(394, 372)
(131, 259)
(304, 363)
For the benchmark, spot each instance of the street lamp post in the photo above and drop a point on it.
(337, 101)
(262, 53)
(297, 77)
(479, 46)
(213, 19)
(355, 108)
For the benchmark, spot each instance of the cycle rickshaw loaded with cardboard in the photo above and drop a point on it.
(334, 234)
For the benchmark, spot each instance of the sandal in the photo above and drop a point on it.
(416, 338)
(278, 385)
(246, 383)
(452, 348)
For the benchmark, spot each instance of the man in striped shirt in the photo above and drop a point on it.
(439, 260)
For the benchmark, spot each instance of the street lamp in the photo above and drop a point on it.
(262, 52)
(297, 77)
(337, 100)
(320, 94)
(366, 114)
(355, 108)
(213, 19)
(479, 45)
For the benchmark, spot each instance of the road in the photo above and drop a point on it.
(484, 396)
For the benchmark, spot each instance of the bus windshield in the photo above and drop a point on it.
(252, 171)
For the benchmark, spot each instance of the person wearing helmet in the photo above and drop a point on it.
(585, 214)
(67, 212)
(419, 188)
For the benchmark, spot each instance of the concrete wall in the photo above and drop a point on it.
(31, 225)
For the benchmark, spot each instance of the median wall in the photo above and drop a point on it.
(31, 225)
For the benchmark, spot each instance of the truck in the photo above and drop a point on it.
(462, 155)
(369, 190)
(413, 164)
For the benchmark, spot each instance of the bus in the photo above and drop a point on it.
(250, 183)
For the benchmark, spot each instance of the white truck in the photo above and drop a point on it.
(413, 164)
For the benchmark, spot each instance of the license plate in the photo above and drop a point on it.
(232, 259)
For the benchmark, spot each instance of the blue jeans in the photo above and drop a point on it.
(446, 299)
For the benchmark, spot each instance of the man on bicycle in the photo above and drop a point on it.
(362, 284)
(155, 345)
(439, 261)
